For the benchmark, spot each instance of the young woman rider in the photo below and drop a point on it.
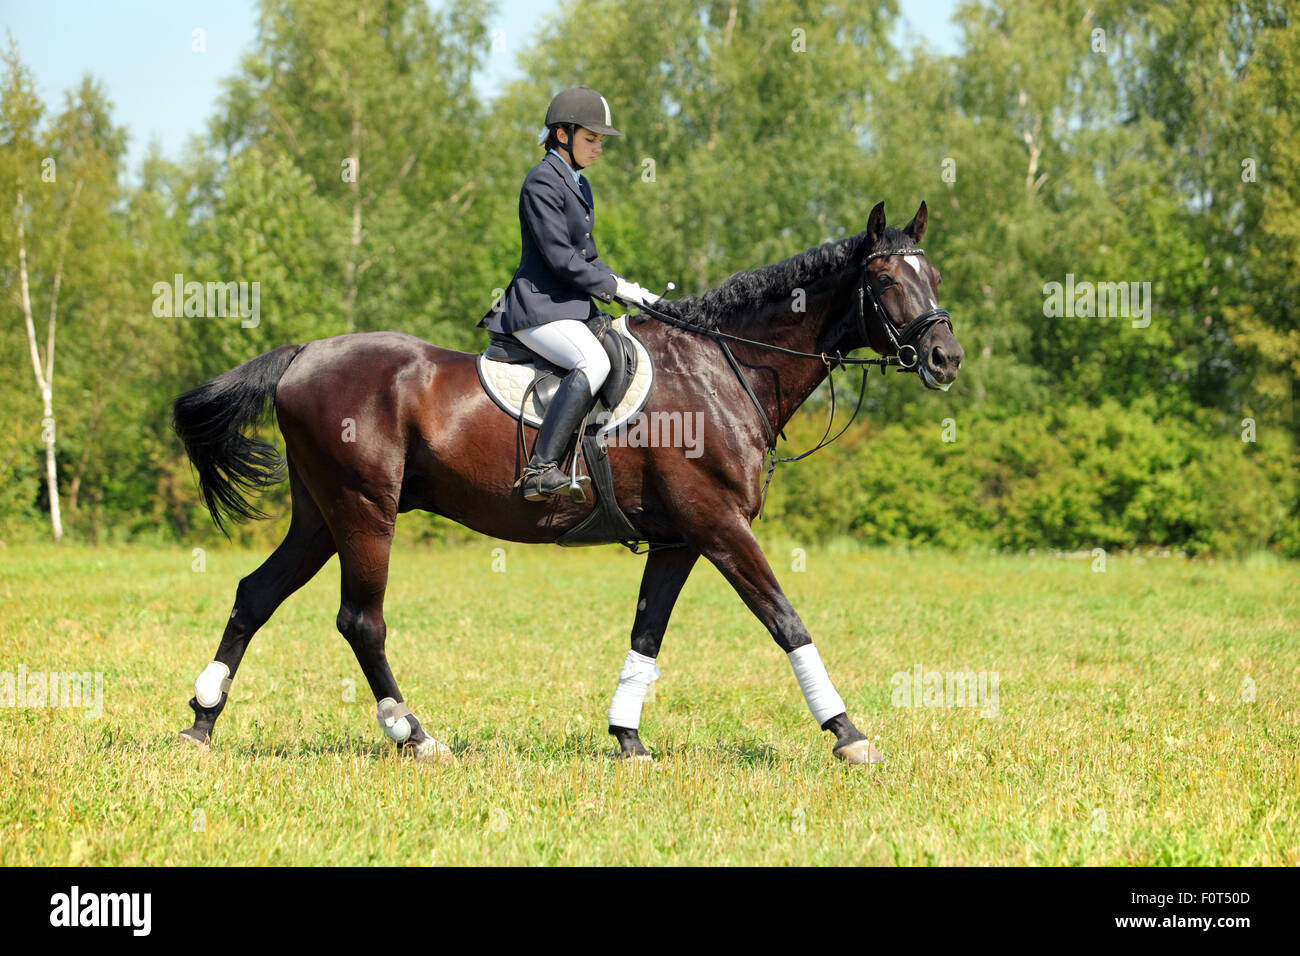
(548, 301)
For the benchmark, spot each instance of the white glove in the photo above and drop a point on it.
(633, 294)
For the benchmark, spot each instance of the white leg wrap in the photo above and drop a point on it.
(392, 717)
(638, 673)
(211, 684)
(817, 688)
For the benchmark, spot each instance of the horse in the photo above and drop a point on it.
(425, 435)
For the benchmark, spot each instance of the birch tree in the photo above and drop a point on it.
(20, 116)
(62, 178)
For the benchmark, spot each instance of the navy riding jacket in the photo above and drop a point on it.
(559, 270)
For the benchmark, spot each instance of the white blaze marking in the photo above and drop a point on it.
(915, 263)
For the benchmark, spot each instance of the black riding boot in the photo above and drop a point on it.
(542, 477)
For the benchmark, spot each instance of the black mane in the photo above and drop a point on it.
(747, 292)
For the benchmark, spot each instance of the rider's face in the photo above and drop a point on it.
(587, 146)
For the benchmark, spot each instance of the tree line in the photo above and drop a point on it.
(353, 175)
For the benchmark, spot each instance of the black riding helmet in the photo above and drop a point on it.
(579, 106)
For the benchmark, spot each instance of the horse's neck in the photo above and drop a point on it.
(783, 382)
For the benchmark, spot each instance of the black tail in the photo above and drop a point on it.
(209, 420)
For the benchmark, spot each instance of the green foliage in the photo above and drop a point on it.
(366, 120)
(1073, 478)
(352, 173)
(270, 230)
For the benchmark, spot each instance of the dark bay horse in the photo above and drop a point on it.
(376, 424)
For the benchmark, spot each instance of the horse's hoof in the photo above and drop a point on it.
(859, 751)
(643, 757)
(429, 750)
(188, 737)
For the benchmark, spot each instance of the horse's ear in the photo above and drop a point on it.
(916, 228)
(875, 226)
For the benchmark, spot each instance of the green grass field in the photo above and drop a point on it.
(1124, 733)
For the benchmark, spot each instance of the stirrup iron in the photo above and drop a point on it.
(578, 485)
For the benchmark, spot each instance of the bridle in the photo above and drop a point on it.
(904, 339)
(908, 334)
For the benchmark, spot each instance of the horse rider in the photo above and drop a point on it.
(548, 301)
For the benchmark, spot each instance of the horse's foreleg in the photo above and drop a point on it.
(305, 549)
(734, 550)
(665, 572)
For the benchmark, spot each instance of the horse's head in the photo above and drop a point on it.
(898, 306)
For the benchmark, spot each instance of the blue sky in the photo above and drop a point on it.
(142, 50)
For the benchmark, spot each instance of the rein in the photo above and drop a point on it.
(904, 339)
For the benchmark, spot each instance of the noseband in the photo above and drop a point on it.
(909, 334)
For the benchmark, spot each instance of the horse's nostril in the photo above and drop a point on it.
(942, 360)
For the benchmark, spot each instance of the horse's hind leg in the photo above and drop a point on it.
(367, 533)
(306, 547)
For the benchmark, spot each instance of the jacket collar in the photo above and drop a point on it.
(574, 174)
(566, 174)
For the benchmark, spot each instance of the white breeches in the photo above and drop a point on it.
(570, 344)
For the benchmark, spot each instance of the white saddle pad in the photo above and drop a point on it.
(506, 382)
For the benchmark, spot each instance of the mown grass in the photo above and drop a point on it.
(1122, 735)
